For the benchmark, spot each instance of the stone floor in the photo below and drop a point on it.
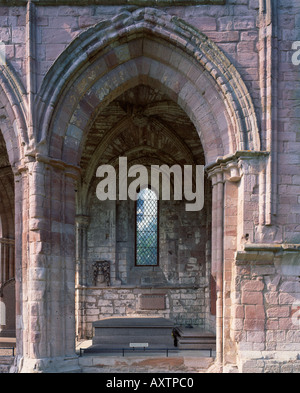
(178, 362)
(150, 362)
(6, 358)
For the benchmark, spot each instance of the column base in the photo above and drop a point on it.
(68, 365)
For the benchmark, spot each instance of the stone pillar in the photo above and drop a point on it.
(223, 175)
(6, 259)
(82, 223)
(46, 272)
(216, 177)
(21, 261)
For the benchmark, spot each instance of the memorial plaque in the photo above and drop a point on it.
(153, 302)
(139, 345)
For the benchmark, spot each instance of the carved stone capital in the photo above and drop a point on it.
(82, 221)
(222, 172)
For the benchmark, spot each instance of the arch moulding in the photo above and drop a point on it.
(145, 46)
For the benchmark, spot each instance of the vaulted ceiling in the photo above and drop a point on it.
(145, 126)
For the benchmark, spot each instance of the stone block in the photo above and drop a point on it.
(278, 312)
(253, 285)
(253, 312)
(255, 298)
(256, 337)
(243, 23)
(254, 324)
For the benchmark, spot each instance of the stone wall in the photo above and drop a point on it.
(232, 27)
(183, 249)
(182, 276)
(266, 304)
(184, 306)
(239, 88)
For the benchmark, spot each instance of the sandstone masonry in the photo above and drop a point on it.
(161, 82)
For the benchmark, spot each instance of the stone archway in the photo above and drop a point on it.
(143, 47)
(148, 128)
(147, 44)
(7, 246)
(13, 143)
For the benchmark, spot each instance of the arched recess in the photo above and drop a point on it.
(7, 244)
(145, 46)
(13, 107)
(13, 144)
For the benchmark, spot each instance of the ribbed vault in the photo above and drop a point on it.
(145, 126)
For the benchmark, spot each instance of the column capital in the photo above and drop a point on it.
(70, 170)
(232, 165)
(226, 171)
(82, 221)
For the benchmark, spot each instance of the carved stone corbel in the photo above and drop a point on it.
(104, 268)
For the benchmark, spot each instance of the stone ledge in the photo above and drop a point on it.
(146, 3)
(142, 288)
(264, 254)
(270, 355)
(272, 247)
(256, 257)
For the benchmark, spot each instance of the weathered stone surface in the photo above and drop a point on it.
(210, 82)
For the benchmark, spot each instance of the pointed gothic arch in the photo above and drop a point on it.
(146, 46)
(12, 112)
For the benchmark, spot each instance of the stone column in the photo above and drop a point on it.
(21, 258)
(227, 171)
(46, 273)
(82, 223)
(216, 176)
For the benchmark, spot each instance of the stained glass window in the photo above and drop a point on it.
(147, 228)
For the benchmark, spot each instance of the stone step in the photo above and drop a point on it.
(194, 338)
(4, 369)
(145, 364)
(5, 364)
(117, 350)
(196, 341)
(197, 346)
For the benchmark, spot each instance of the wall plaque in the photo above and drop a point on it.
(153, 302)
(139, 345)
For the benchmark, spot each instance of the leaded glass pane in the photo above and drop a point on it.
(147, 228)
